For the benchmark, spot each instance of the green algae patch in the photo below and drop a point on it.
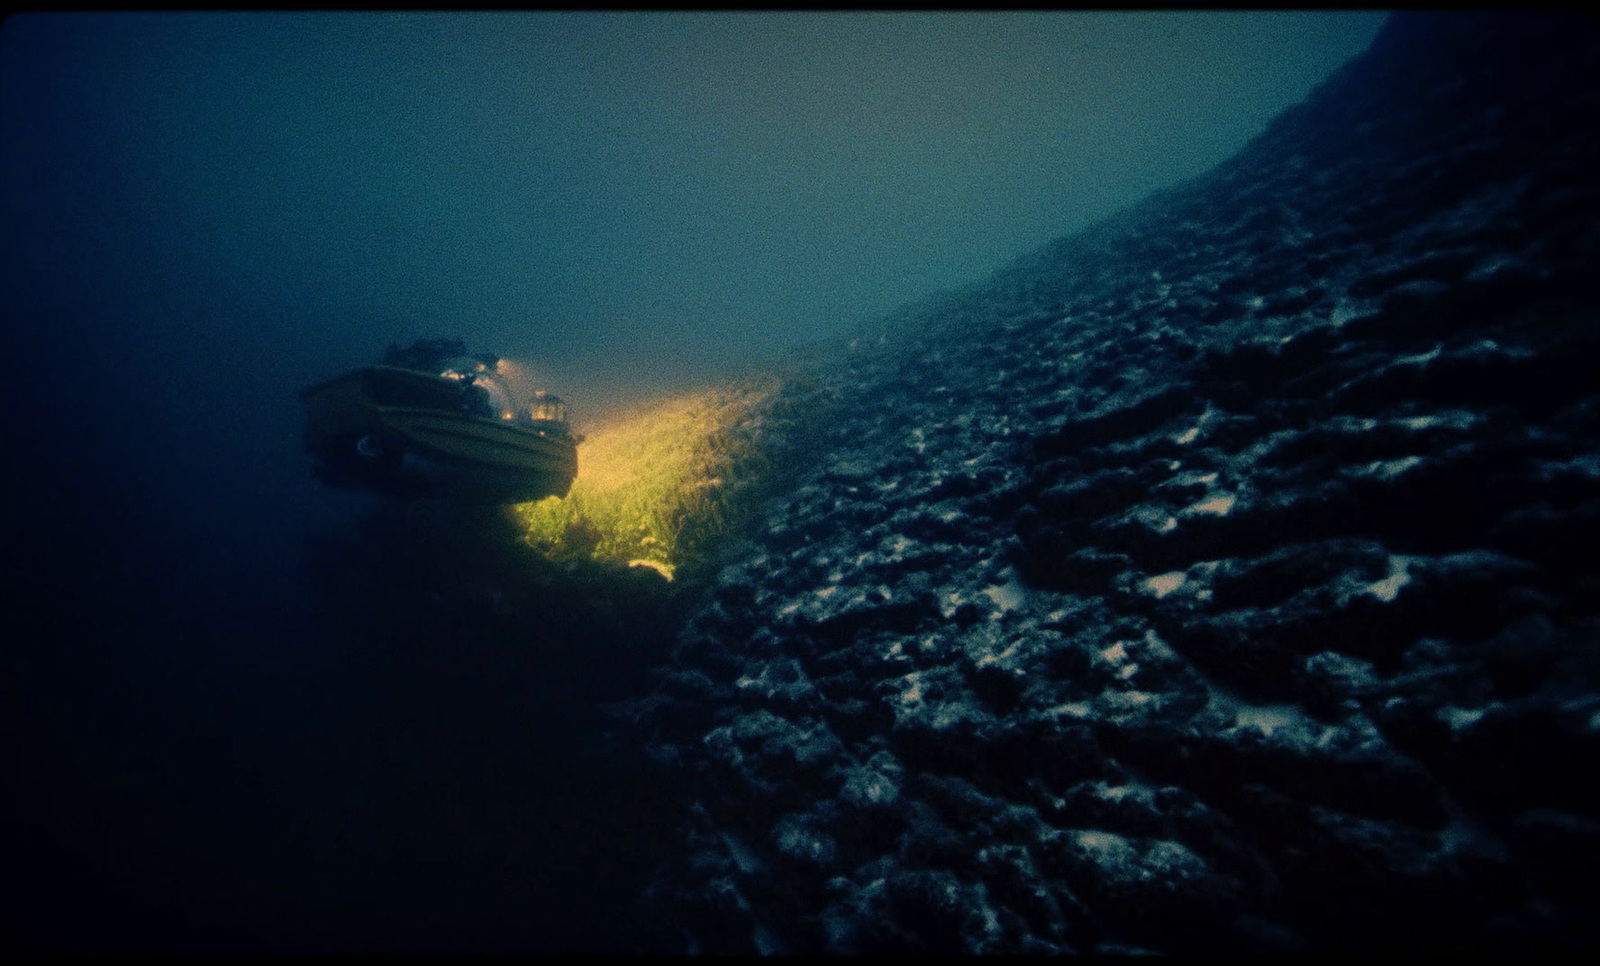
(658, 486)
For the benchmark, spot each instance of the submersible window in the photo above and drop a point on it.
(499, 398)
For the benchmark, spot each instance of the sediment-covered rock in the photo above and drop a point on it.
(1217, 579)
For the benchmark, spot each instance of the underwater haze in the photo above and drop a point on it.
(204, 213)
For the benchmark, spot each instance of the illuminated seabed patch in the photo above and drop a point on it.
(656, 485)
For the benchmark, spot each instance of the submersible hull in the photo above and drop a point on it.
(402, 431)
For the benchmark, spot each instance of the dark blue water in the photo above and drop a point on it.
(227, 731)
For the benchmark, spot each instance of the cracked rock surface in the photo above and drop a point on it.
(1218, 579)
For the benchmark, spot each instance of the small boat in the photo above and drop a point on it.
(452, 429)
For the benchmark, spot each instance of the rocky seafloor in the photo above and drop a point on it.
(1218, 579)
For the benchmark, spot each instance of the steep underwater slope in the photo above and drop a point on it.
(1219, 578)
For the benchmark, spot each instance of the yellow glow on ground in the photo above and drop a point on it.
(656, 484)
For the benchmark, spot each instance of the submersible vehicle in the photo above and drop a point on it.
(433, 421)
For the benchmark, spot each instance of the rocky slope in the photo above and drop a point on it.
(1216, 579)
